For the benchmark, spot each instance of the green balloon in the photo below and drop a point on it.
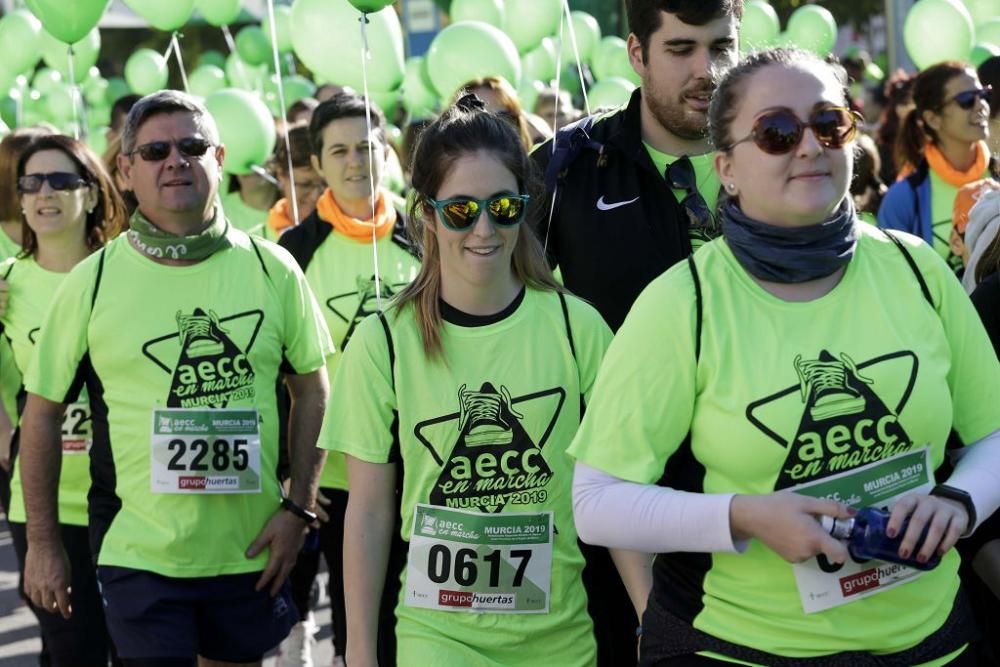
(760, 25)
(146, 71)
(19, 35)
(212, 57)
(8, 110)
(937, 30)
(528, 21)
(813, 27)
(100, 115)
(241, 75)
(982, 10)
(253, 46)
(245, 126)
(989, 31)
(45, 80)
(588, 36)
(117, 89)
(166, 15)
(419, 98)
(338, 58)
(368, 6)
(611, 59)
(205, 80)
(283, 20)
(296, 88)
(59, 103)
(388, 102)
(528, 92)
(982, 52)
(97, 138)
(219, 12)
(487, 11)
(540, 62)
(68, 21)
(85, 52)
(393, 177)
(613, 91)
(4, 128)
(470, 50)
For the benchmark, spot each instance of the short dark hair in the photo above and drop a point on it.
(342, 105)
(644, 15)
(301, 145)
(728, 96)
(120, 109)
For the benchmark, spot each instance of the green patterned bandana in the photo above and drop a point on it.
(154, 242)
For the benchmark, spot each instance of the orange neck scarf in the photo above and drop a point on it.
(279, 218)
(352, 228)
(953, 177)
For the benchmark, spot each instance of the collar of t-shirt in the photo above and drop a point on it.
(704, 171)
(460, 318)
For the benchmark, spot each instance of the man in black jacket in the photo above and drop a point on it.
(633, 196)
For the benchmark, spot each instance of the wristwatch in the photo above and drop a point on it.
(959, 496)
(302, 513)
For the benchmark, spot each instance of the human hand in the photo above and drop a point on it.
(322, 502)
(47, 579)
(283, 535)
(946, 521)
(787, 524)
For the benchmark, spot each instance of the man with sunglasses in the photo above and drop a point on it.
(635, 192)
(334, 247)
(180, 329)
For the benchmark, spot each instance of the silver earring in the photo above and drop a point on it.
(731, 187)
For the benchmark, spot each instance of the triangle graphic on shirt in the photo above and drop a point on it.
(353, 307)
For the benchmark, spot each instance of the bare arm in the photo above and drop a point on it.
(636, 570)
(285, 532)
(370, 518)
(6, 435)
(46, 573)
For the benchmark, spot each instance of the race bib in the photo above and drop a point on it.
(76, 433)
(479, 563)
(205, 451)
(822, 584)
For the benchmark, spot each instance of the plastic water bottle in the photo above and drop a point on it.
(866, 538)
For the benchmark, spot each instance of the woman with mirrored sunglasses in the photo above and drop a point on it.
(69, 209)
(942, 147)
(798, 370)
(469, 387)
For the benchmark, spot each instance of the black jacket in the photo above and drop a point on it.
(609, 256)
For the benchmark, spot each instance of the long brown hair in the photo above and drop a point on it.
(463, 129)
(106, 219)
(928, 95)
(11, 148)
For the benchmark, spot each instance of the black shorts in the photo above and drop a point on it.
(221, 618)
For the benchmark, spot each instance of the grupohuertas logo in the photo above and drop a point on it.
(490, 451)
(353, 307)
(850, 414)
(207, 358)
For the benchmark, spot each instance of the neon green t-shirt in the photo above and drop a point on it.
(182, 363)
(706, 178)
(241, 215)
(784, 394)
(31, 291)
(341, 276)
(483, 432)
(942, 210)
(263, 231)
(10, 376)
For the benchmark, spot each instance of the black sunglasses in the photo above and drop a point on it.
(779, 131)
(155, 151)
(61, 181)
(968, 98)
(460, 213)
(701, 223)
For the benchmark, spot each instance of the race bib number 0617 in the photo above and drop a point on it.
(205, 451)
(479, 563)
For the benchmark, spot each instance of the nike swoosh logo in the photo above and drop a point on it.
(604, 206)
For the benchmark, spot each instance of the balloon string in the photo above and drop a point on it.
(263, 173)
(231, 45)
(284, 112)
(555, 129)
(576, 54)
(365, 55)
(72, 92)
(176, 46)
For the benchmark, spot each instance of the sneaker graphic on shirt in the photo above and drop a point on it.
(482, 419)
(201, 333)
(825, 387)
(353, 307)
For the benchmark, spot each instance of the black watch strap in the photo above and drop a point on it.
(302, 513)
(959, 496)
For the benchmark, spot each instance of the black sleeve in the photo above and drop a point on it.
(986, 299)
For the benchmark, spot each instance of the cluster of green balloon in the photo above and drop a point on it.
(470, 50)
(611, 59)
(206, 79)
(296, 87)
(19, 49)
(245, 127)
(166, 15)
(936, 30)
(243, 75)
(527, 22)
(340, 60)
(68, 22)
(419, 96)
(588, 36)
(280, 34)
(56, 54)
